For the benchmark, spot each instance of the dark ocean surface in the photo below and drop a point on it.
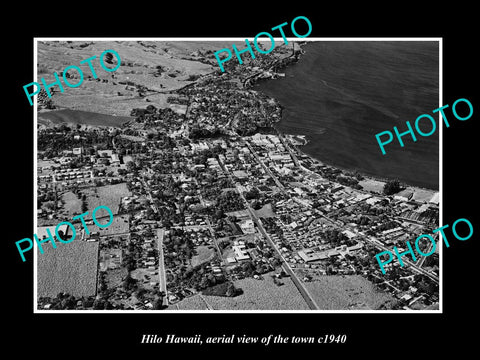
(341, 93)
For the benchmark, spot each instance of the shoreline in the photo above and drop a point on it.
(315, 157)
(365, 175)
(343, 169)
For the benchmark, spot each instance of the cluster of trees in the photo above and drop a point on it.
(132, 254)
(159, 119)
(197, 132)
(335, 237)
(348, 181)
(65, 301)
(391, 224)
(198, 278)
(225, 289)
(43, 100)
(178, 100)
(53, 141)
(229, 201)
(271, 226)
(48, 198)
(252, 194)
(179, 249)
(250, 267)
(225, 227)
(246, 108)
(330, 173)
(392, 187)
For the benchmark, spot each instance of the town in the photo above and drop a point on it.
(206, 194)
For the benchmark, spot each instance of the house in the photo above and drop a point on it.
(115, 159)
(105, 153)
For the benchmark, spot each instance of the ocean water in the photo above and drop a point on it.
(341, 93)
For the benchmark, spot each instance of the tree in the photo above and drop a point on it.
(158, 303)
(129, 283)
(99, 304)
(231, 290)
(108, 58)
(131, 166)
(391, 187)
(49, 205)
(84, 206)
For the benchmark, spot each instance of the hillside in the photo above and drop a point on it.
(155, 67)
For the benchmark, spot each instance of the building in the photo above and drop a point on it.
(349, 234)
(392, 233)
(240, 252)
(115, 159)
(404, 195)
(105, 153)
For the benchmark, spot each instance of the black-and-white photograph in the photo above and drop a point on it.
(217, 179)
(290, 174)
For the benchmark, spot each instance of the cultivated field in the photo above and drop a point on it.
(159, 66)
(70, 268)
(340, 292)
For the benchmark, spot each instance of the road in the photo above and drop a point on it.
(209, 307)
(408, 262)
(277, 182)
(404, 260)
(301, 288)
(287, 146)
(161, 263)
(303, 291)
(147, 188)
(161, 266)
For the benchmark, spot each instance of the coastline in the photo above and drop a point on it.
(365, 175)
(317, 157)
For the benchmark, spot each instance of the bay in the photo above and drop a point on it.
(341, 93)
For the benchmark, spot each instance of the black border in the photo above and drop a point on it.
(371, 334)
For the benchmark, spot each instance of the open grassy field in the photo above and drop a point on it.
(257, 295)
(108, 195)
(205, 254)
(422, 195)
(70, 268)
(73, 205)
(73, 117)
(344, 292)
(372, 185)
(119, 225)
(194, 302)
(265, 211)
(115, 277)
